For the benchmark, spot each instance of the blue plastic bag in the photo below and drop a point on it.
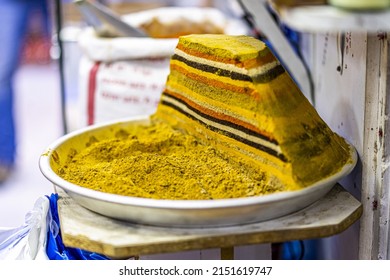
(56, 250)
(39, 237)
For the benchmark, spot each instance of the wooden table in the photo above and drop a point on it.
(82, 228)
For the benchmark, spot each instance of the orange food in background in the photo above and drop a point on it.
(156, 29)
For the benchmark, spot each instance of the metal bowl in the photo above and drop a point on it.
(176, 213)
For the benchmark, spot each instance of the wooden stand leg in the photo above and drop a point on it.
(227, 253)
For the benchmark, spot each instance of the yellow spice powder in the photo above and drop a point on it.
(157, 161)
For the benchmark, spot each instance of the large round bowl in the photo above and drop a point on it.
(176, 213)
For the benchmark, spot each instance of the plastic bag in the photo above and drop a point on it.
(27, 242)
(56, 250)
(39, 237)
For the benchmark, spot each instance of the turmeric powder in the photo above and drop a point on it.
(162, 162)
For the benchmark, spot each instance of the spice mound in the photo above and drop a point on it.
(160, 161)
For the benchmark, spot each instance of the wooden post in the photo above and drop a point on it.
(374, 232)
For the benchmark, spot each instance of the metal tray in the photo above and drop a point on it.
(176, 213)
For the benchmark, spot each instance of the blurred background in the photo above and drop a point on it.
(35, 80)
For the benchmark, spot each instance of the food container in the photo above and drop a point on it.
(175, 213)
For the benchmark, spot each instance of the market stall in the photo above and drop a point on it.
(354, 58)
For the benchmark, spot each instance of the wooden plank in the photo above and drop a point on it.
(84, 229)
(375, 174)
(328, 18)
(385, 197)
(339, 76)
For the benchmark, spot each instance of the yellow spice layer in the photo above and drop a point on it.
(162, 162)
